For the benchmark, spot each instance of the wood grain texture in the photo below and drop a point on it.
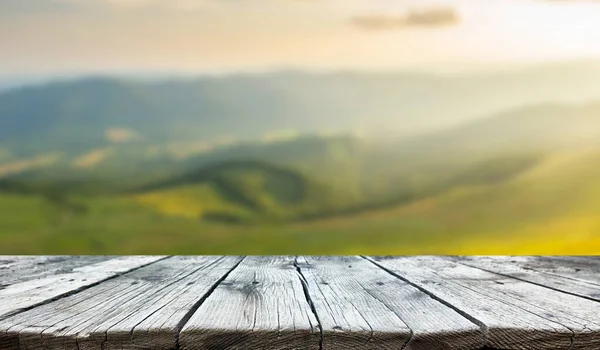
(587, 259)
(142, 309)
(575, 268)
(18, 269)
(360, 306)
(517, 314)
(261, 305)
(573, 277)
(26, 294)
(281, 303)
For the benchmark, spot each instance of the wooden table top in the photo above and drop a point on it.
(304, 302)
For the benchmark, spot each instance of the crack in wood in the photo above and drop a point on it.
(350, 300)
(309, 300)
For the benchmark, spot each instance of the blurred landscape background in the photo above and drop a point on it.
(337, 160)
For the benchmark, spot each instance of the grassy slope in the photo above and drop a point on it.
(549, 209)
(189, 201)
(473, 202)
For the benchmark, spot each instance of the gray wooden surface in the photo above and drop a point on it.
(299, 302)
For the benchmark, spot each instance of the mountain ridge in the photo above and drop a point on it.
(75, 115)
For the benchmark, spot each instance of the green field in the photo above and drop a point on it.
(549, 206)
(137, 181)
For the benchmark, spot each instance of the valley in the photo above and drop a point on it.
(521, 180)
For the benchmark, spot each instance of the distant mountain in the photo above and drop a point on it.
(17, 81)
(307, 178)
(536, 128)
(80, 116)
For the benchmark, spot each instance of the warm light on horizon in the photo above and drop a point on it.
(60, 36)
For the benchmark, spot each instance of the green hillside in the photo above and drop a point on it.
(548, 208)
(552, 208)
(526, 180)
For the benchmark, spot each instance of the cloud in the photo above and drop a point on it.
(441, 16)
(92, 158)
(118, 135)
(19, 166)
(429, 17)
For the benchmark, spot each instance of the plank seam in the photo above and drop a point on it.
(199, 303)
(481, 325)
(77, 290)
(412, 333)
(588, 260)
(210, 265)
(182, 277)
(537, 284)
(56, 262)
(304, 283)
(571, 337)
(534, 283)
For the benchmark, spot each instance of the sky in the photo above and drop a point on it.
(66, 36)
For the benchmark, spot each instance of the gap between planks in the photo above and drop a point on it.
(307, 296)
(297, 268)
(49, 289)
(543, 275)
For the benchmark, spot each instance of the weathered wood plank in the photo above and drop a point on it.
(567, 276)
(198, 303)
(261, 305)
(517, 314)
(142, 309)
(17, 269)
(360, 306)
(577, 268)
(588, 259)
(29, 293)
